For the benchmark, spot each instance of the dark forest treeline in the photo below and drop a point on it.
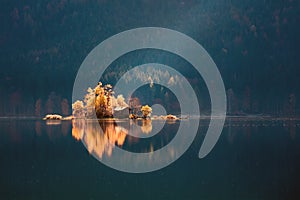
(237, 104)
(254, 44)
(18, 104)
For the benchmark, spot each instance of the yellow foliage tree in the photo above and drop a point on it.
(146, 110)
(99, 102)
(103, 101)
(78, 109)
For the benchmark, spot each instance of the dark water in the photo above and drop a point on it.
(254, 159)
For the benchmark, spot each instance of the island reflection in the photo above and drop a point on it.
(101, 139)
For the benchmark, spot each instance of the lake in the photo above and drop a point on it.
(253, 159)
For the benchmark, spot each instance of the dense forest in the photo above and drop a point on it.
(255, 45)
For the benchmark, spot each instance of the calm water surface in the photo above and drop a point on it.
(254, 159)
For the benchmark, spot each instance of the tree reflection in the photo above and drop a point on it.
(101, 139)
(135, 143)
(292, 128)
(78, 128)
(146, 126)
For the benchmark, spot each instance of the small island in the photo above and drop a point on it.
(100, 103)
